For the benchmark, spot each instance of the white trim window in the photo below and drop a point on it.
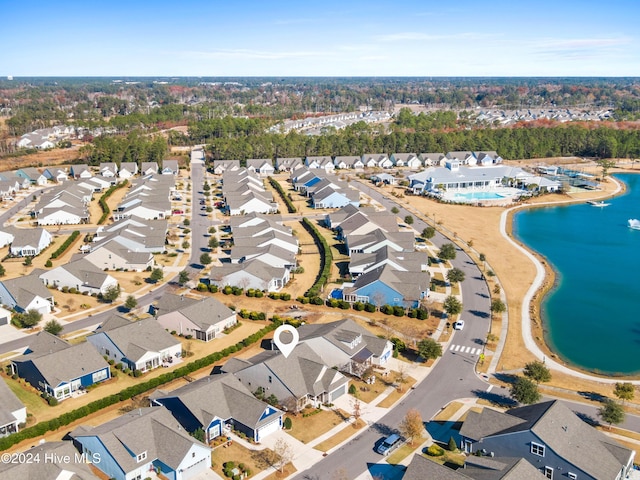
(572, 476)
(537, 449)
(548, 472)
(141, 456)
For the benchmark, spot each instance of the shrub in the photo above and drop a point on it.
(48, 264)
(287, 201)
(352, 389)
(227, 290)
(326, 258)
(137, 373)
(435, 451)
(213, 288)
(369, 307)
(316, 301)
(202, 287)
(288, 423)
(398, 311)
(358, 306)
(52, 401)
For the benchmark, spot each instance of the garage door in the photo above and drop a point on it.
(268, 429)
(338, 393)
(194, 469)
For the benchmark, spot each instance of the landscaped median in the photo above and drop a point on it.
(325, 255)
(285, 198)
(103, 201)
(127, 393)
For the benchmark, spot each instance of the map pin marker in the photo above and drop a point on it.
(286, 348)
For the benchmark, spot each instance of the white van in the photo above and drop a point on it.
(389, 444)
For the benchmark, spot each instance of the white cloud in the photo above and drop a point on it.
(245, 54)
(419, 36)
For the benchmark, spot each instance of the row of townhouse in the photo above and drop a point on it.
(324, 188)
(263, 254)
(266, 167)
(243, 192)
(44, 138)
(384, 265)
(535, 442)
(148, 198)
(67, 204)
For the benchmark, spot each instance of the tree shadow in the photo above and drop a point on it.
(495, 398)
(478, 313)
(596, 397)
(384, 470)
(383, 429)
(505, 377)
(197, 266)
(478, 341)
(343, 269)
(587, 419)
(483, 295)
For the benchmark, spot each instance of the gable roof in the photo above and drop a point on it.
(560, 429)
(85, 272)
(135, 339)
(170, 302)
(206, 312)
(342, 333)
(55, 468)
(151, 430)
(25, 289)
(9, 402)
(225, 397)
(61, 362)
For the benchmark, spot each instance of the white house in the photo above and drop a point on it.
(141, 345)
(26, 293)
(12, 411)
(82, 275)
(29, 242)
(114, 256)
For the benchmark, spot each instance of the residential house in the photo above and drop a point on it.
(345, 345)
(464, 157)
(377, 239)
(82, 275)
(221, 166)
(350, 161)
(137, 234)
(80, 171)
(127, 169)
(55, 174)
(108, 169)
(383, 178)
(376, 160)
(385, 285)
(170, 167)
(204, 319)
(323, 163)
(403, 261)
(365, 221)
(35, 140)
(58, 368)
(549, 436)
(26, 293)
(262, 166)
(335, 196)
(144, 440)
(141, 345)
(29, 242)
(218, 403)
(15, 181)
(5, 316)
(404, 159)
(475, 468)
(271, 255)
(254, 219)
(489, 158)
(149, 168)
(112, 255)
(253, 273)
(8, 188)
(13, 413)
(33, 175)
(57, 461)
(288, 164)
(64, 205)
(432, 159)
(251, 202)
(300, 379)
(6, 236)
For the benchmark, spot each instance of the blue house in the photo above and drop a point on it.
(218, 403)
(141, 441)
(387, 286)
(58, 368)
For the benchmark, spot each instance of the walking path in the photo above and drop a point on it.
(535, 285)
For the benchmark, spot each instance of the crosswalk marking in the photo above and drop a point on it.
(464, 349)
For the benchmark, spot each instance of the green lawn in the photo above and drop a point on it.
(34, 403)
(401, 453)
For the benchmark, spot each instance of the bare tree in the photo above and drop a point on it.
(284, 451)
(356, 408)
(412, 426)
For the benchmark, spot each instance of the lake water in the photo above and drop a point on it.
(592, 316)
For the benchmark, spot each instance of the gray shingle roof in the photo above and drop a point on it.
(341, 333)
(135, 339)
(25, 289)
(169, 302)
(48, 469)
(8, 403)
(151, 430)
(222, 396)
(421, 468)
(206, 312)
(501, 468)
(560, 429)
(58, 361)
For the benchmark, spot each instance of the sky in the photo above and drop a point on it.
(327, 38)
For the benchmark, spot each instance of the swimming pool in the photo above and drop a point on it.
(479, 196)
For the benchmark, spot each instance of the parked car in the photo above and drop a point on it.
(459, 325)
(389, 444)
